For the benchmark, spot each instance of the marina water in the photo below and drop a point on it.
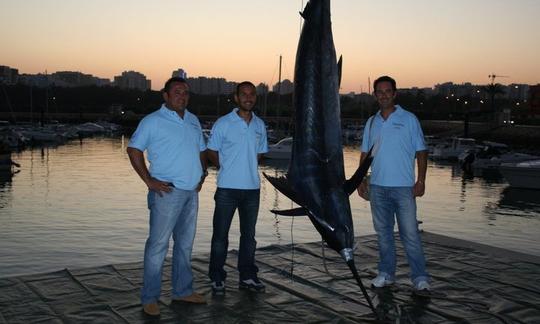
(82, 205)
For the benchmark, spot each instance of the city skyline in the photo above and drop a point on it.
(213, 85)
(420, 43)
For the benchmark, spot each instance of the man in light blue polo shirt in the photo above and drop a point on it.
(173, 140)
(236, 143)
(397, 139)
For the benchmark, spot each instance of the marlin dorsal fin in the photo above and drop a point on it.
(339, 68)
(307, 9)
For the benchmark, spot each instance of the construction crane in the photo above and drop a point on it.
(493, 76)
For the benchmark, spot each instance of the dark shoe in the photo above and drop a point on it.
(218, 288)
(252, 284)
(194, 298)
(151, 309)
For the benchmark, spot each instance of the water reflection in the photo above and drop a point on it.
(81, 204)
(526, 201)
(274, 168)
(513, 201)
(6, 178)
(487, 176)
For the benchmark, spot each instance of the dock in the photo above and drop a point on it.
(471, 283)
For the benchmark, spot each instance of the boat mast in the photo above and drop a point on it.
(279, 89)
(31, 104)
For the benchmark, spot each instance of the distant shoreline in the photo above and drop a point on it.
(522, 137)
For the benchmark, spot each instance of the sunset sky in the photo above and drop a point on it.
(419, 42)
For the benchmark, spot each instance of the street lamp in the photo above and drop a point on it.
(55, 106)
(466, 120)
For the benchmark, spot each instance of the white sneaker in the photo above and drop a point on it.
(422, 285)
(218, 288)
(253, 284)
(381, 281)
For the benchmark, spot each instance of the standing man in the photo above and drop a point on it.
(173, 139)
(235, 146)
(397, 139)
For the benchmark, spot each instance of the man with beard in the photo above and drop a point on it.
(236, 144)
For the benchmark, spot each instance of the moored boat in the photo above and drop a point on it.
(453, 148)
(491, 155)
(522, 174)
(281, 150)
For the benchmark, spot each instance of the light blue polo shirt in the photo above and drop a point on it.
(173, 146)
(396, 141)
(238, 144)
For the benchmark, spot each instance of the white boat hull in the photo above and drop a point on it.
(282, 150)
(522, 175)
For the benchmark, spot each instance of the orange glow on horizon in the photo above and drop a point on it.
(420, 43)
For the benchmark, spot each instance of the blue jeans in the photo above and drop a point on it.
(174, 213)
(399, 201)
(227, 201)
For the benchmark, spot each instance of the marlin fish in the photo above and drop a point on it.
(316, 176)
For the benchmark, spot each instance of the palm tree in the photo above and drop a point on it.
(492, 90)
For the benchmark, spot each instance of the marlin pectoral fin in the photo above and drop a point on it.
(300, 211)
(282, 184)
(350, 185)
(339, 67)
